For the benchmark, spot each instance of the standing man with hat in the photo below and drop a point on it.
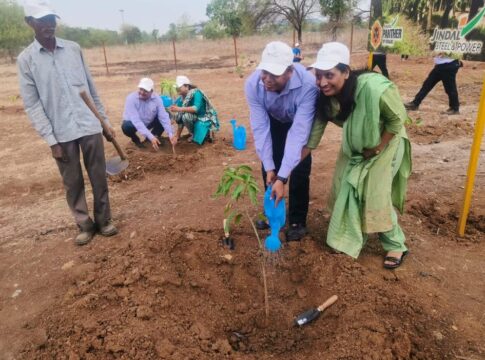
(52, 72)
(282, 97)
(145, 113)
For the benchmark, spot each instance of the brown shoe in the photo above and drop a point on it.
(108, 230)
(84, 237)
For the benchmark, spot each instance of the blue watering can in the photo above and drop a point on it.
(276, 217)
(167, 100)
(239, 136)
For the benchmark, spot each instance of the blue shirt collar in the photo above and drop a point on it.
(38, 46)
(295, 82)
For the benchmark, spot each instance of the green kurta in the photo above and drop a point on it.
(205, 111)
(364, 191)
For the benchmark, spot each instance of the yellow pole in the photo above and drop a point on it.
(473, 164)
(369, 60)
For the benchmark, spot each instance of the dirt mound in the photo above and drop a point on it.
(144, 162)
(437, 132)
(181, 295)
(442, 220)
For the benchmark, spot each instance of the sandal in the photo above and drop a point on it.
(190, 138)
(395, 262)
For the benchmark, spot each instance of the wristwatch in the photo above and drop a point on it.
(282, 179)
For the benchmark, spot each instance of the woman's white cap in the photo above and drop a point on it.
(277, 57)
(181, 81)
(331, 54)
(146, 84)
(38, 9)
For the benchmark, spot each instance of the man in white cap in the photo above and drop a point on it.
(145, 113)
(282, 97)
(52, 72)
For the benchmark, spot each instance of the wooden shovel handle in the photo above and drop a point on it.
(91, 106)
(330, 301)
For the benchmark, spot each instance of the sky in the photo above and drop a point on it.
(145, 14)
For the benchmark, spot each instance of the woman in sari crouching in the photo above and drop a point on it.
(374, 161)
(194, 111)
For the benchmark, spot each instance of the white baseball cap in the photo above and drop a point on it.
(331, 54)
(182, 80)
(146, 84)
(38, 9)
(276, 58)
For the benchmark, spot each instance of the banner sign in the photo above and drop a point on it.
(394, 25)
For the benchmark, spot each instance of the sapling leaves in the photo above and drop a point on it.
(237, 183)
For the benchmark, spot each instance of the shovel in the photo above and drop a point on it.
(119, 163)
(312, 314)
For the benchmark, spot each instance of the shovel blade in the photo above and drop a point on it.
(115, 165)
(306, 317)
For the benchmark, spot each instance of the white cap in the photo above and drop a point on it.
(297, 44)
(182, 80)
(276, 58)
(38, 9)
(146, 84)
(330, 55)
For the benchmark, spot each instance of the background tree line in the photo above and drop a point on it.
(226, 18)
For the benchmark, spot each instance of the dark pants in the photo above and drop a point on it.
(299, 194)
(92, 149)
(129, 129)
(380, 61)
(447, 74)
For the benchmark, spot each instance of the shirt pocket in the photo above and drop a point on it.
(290, 112)
(76, 78)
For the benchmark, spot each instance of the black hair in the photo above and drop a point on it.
(346, 98)
(191, 86)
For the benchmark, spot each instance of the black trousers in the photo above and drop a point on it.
(447, 74)
(380, 61)
(129, 129)
(299, 184)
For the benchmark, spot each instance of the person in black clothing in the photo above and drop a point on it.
(445, 70)
(379, 59)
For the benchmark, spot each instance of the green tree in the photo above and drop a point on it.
(338, 13)
(131, 34)
(228, 13)
(242, 16)
(155, 35)
(89, 37)
(213, 30)
(14, 32)
(172, 33)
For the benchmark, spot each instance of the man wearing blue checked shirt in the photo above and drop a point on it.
(52, 73)
(282, 97)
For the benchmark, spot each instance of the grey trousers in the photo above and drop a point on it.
(92, 149)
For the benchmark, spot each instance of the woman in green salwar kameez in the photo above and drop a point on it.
(374, 161)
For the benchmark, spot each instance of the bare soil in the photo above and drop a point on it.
(165, 287)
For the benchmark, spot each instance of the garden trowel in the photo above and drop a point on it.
(312, 314)
(116, 164)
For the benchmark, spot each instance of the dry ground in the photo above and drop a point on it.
(165, 287)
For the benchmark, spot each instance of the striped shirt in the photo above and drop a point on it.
(50, 83)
